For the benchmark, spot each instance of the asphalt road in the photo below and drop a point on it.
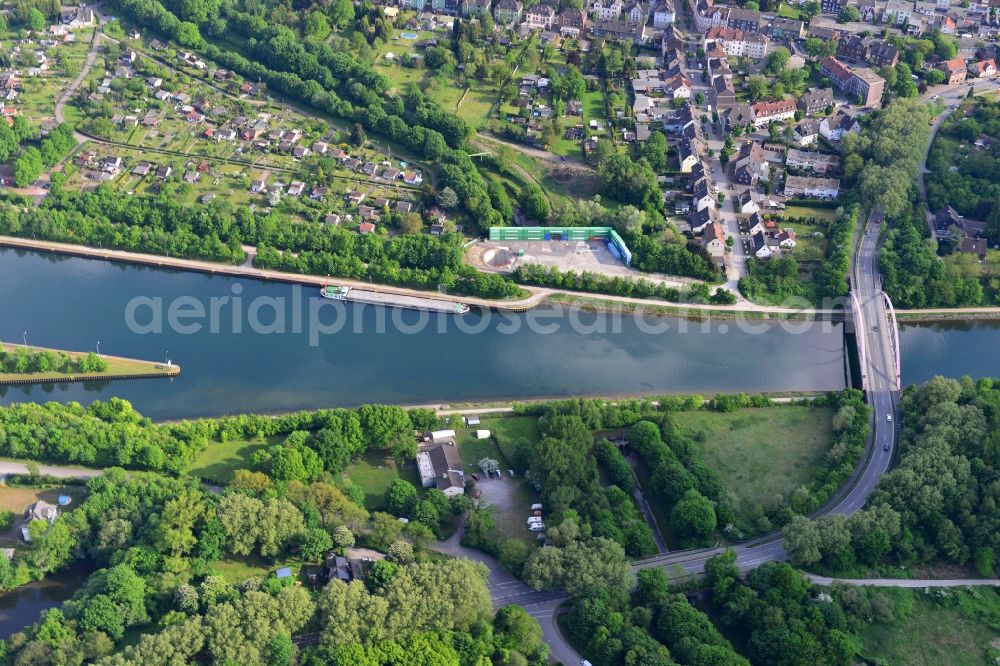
(879, 367)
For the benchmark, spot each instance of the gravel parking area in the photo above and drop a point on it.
(579, 256)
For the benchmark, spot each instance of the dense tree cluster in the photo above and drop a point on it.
(686, 488)
(788, 621)
(563, 469)
(774, 281)
(891, 145)
(939, 504)
(668, 455)
(21, 361)
(156, 543)
(112, 433)
(915, 277)
(965, 177)
(161, 225)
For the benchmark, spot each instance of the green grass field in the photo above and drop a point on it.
(236, 571)
(220, 460)
(960, 629)
(507, 430)
(374, 472)
(828, 214)
(759, 453)
(789, 12)
(808, 245)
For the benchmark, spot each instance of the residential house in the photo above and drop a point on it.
(41, 510)
(816, 101)
(474, 8)
(977, 246)
(703, 194)
(539, 17)
(741, 115)
(852, 48)
(77, 17)
(787, 30)
(687, 155)
(766, 113)
(750, 165)
(883, 54)
(723, 92)
(759, 246)
(947, 221)
(508, 12)
(862, 83)
(708, 16)
(571, 22)
(713, 239)
(142, 169)
(954, 71)
(607, 10)
(163, 172)
(737, 43)
(833, 128)
(747, 20)
(812, 188)
(897, 12)
(983, 69)
(745, 203)
(296, 188)
(366, 228)
(664, 14)
(636, 13)
(818, 163)
(700, 219)
(441, 467)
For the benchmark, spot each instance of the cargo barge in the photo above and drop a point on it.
(392, 300)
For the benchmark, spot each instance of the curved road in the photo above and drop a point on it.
(874, 333)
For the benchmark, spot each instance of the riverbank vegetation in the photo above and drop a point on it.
(113, 433)
(939, 505)
(598, 283)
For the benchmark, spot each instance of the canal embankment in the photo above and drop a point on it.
(116, 367)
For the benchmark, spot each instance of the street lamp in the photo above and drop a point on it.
(98, 347)
(24, 337)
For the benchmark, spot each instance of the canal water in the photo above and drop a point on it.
(24, 605)
(252, 346)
